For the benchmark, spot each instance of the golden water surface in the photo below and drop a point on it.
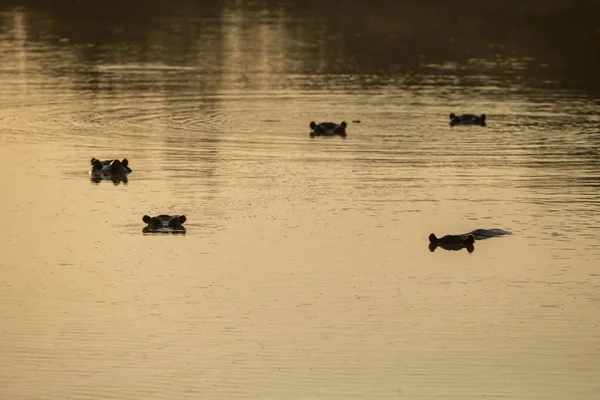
(305, 271)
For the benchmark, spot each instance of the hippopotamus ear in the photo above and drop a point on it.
(344, 124)
(452, 116)
(92, 161)
(116, 167)
(312, 124)
(432, 238)
(470, 240)
(182, 219)
(125, 163)
(97, 164)
(147, 219)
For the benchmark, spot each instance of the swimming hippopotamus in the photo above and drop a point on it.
(467, 119)
(114, 170)
(164, 224)
(328, 129)
(463, 241)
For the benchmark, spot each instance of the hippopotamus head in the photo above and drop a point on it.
(467, 119)
(452, 242)
(164, 223)
(464, 239)
(113, 170)
(328, 128)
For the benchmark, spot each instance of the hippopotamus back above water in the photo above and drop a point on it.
(465, 240)
(164, 224)
(114, 170)
(467, 119)
(481, 234)
(327, 129)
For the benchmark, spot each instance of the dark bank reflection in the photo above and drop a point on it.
(274, 44)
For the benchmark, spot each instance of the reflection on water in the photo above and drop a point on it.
(304, 270)
(452, 247)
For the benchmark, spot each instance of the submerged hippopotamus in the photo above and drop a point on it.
(164, 224)
(463, 241)
(328, 129)
(467, 119)
(113, 170)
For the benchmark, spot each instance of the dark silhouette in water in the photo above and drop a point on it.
(164, 224)
(328, 129)
(113, 170)
(452, 242)
(467, 119)
(463, 241)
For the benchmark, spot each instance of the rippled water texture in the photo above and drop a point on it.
(305, 271)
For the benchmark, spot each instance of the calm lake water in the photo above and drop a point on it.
(305, 272)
